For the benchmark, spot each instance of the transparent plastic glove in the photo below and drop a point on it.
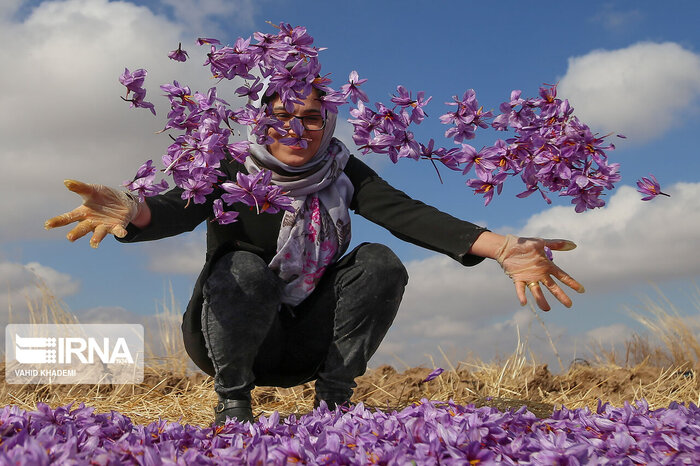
(524, 260)
(104, 210)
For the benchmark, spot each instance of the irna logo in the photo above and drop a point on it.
(52, 350)
(74, 353)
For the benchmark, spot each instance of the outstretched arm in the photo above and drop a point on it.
(524, 260)
(104, 210)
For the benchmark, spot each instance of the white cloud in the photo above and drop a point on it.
(640, 91)
(614, 20)
(60, 284)
(609, 336)
(628, 241)
(109, 315)
(343, 132)
(25, 286)
(182, 254)
(622, 244)
(64, 117)
(416, 342)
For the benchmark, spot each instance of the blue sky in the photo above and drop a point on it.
(627, 67)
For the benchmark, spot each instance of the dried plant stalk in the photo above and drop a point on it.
(172, 390)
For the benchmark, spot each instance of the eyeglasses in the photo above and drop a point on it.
(310, 122)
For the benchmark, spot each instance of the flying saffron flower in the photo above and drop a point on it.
(196, 190)
(207, 40)
(551, 150)
(298, 130)
(276, 200)
(133, 82)
(250, 90)
(352, 90)
(222, 216)
(404, 99)
(144, 182)
(249, 189)
(179, 54)
(650, 188)
(488, 186)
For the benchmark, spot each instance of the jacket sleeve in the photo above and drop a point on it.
(409, 219)
(169, 217)
(172, 215)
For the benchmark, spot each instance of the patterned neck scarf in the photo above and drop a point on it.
(317, 233)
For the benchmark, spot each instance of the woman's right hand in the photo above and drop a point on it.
(104, 210)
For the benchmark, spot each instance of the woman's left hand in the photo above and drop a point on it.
(524, 260)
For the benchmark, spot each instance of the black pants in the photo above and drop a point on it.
(254, 340)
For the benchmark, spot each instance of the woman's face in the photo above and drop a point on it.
(296, 156)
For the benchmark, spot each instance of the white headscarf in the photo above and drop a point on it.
(317, 233)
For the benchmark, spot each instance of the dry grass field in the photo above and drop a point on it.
(172, 391)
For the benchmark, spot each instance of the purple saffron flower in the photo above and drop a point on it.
(492, 183)
(389, 121)
(197, 190)
(206, 40)
(406, 145)
(299, 38)
(138, 101)
(650, 188)
(404, 99)
(238, 150)
(221, 216)
(175, 91)
(425, 432)
(276, 200)
(352, 89)
(297, 139)
(249, 189)
(433, 374)
(179, 54)
(548, 253)
(331, 101)
(250, 90)
(460, 132)
(551, 149)
(133, 82)
(147, 169)
(143, 182)
(482, 161)
(452, 158)
(588, 198)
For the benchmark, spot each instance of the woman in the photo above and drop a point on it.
(277, 303)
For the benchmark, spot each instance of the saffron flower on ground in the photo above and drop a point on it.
(433, 374)
(425, 432)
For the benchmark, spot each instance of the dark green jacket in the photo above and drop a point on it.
(373, 198)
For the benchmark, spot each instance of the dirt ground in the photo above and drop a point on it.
(535, 387)
(190, 398)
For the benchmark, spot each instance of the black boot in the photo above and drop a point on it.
(238, 410)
